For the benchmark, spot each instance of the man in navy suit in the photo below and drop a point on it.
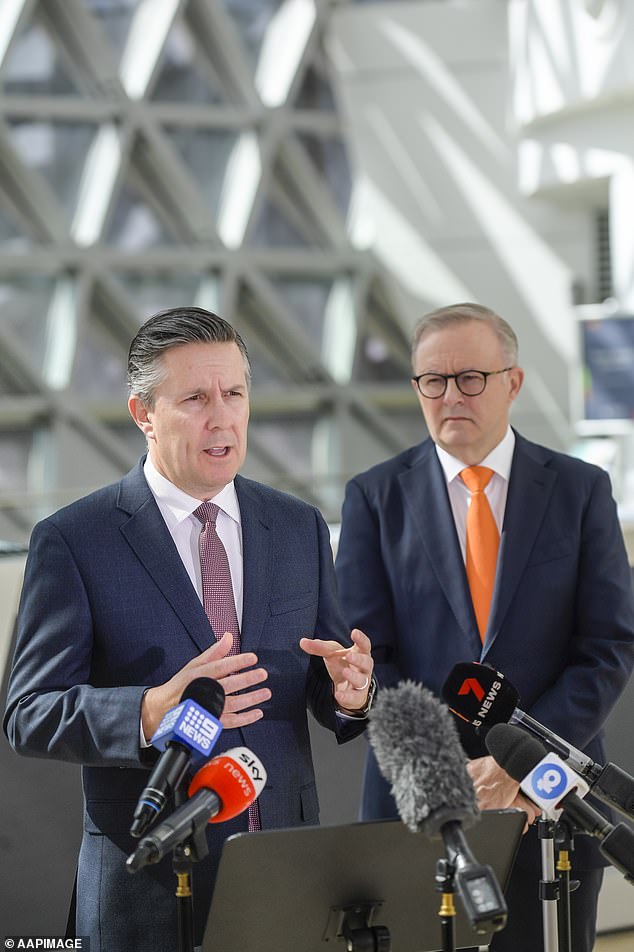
(561, 617)
(112, 627)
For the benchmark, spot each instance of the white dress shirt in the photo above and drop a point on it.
(177, 508)
(499, 460)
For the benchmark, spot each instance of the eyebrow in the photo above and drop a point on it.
(203, 388)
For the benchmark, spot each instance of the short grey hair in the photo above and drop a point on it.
(461, 314)
(174, 327)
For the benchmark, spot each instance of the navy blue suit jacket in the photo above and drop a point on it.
(561, 626)
(107, 610)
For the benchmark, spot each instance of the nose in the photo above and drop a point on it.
(452, 394)
(217, 411)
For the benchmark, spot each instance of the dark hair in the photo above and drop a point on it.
(174, 327)
(461, 314)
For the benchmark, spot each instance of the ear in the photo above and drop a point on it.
(516, 379)
(141, 415)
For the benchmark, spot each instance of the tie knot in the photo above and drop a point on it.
(476, 478)
(207, 512)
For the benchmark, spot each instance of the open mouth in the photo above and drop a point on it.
(217, 451)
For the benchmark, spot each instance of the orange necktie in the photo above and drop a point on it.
(483, 541)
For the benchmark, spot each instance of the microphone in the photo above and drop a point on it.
(483, 697)
(222, 789)
(187, 732)
(418, 751)
(548, 782)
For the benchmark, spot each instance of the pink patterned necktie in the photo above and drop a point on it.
(218, 600)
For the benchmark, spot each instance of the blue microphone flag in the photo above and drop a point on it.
(191, 725)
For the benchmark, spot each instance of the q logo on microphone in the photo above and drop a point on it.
(549, 780)
(548, 783)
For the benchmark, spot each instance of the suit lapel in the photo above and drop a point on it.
(530, 488)
(425, 492)
(150, 540)
(257, 555)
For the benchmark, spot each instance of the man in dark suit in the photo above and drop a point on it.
(560, 621)
(112, 627)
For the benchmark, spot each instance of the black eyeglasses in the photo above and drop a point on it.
(471, 383)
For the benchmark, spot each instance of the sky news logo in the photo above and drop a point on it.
(46, 942)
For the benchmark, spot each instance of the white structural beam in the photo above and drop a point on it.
(11, 14)
(101, 173)
(283, 49)
(622, 235)
(150, 27)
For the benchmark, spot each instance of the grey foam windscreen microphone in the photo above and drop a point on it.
(418, 751)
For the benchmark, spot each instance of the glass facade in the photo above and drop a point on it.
(168, 154)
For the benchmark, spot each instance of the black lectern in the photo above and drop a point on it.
(293, 890)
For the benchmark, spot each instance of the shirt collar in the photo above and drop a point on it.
(499, 459)
(179, 503)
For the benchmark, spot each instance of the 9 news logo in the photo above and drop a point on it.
(549, 781)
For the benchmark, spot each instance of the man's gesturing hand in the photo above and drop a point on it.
(234, 672)
(350, 669)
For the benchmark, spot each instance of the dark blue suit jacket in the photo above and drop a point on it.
(561, 626)
(107, 610)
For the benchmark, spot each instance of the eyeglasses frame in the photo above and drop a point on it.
(447, 377)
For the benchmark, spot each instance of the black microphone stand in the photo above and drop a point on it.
(184, 855)
(445, 884)
(182, 864)
(564, 839)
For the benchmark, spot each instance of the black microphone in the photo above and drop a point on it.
(483, 697)
(418, 751)
(221, 790)
(188, 731)
(546, 780)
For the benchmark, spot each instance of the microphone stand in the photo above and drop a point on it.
(565, 845)
(548, 885)
(184, 855)
(182, 865)
(445, 884)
